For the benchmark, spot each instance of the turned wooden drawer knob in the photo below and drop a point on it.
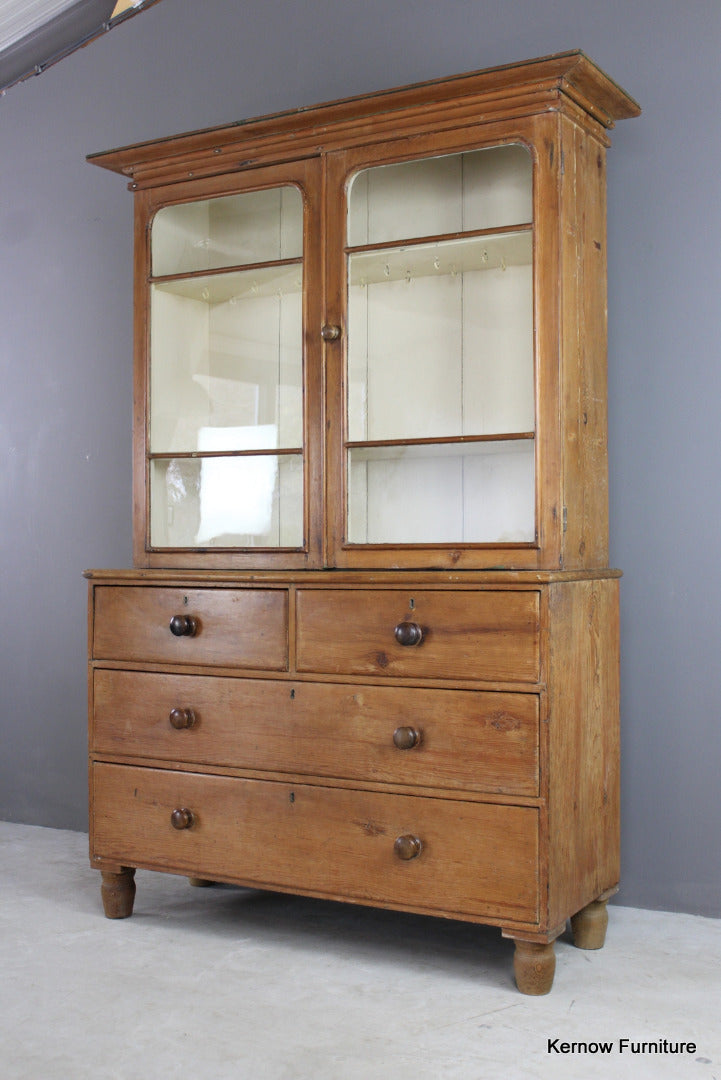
(408, 633)
(182, 718)
(405, 738)
(182, 818)
(183, 626)
(407, 847)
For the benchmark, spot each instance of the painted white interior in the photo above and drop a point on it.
(226, 372)
(440, 345)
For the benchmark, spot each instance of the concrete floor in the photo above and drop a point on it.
(226, 984)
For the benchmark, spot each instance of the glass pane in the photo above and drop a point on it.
(249, 501)
(227, 355)
(475, 493)
(235, 230)
(481, 189)
(440, 339)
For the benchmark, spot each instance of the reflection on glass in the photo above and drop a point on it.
(449, 493)
(254, 476)
(233, 230)
(255, 500)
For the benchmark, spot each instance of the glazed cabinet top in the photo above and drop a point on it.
(373, 333)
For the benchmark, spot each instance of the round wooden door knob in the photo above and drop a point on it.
(405, 738)
(182, 718)
(408, 633)
(183, 626)
(407, 847)
(330, 332)
(182, 818)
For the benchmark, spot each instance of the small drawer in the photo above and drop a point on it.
(454, 739)
(444, 856)
(246, 628)
(490, 635)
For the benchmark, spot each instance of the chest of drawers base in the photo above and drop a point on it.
(434, 745)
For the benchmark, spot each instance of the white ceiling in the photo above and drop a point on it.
(37, 33)
(20, 17)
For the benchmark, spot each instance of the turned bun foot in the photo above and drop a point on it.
(589, 926)
(534, 964)
(118, 893)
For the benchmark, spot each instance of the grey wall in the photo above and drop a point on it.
(65, 356)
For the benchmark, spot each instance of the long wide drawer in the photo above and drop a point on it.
(449, 857)
(491, 635)
(245, 628)
(457, 739)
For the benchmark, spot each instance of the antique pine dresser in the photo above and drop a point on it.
(369, 649)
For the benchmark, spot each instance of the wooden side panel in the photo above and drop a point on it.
(475, 860)
(467, 740)
(247, 628)
(584, 347)
(583, 740)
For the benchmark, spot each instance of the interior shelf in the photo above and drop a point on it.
(276, 279)
(496, 251)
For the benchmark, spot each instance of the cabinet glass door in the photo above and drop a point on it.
(440, 406)
(225, 428)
